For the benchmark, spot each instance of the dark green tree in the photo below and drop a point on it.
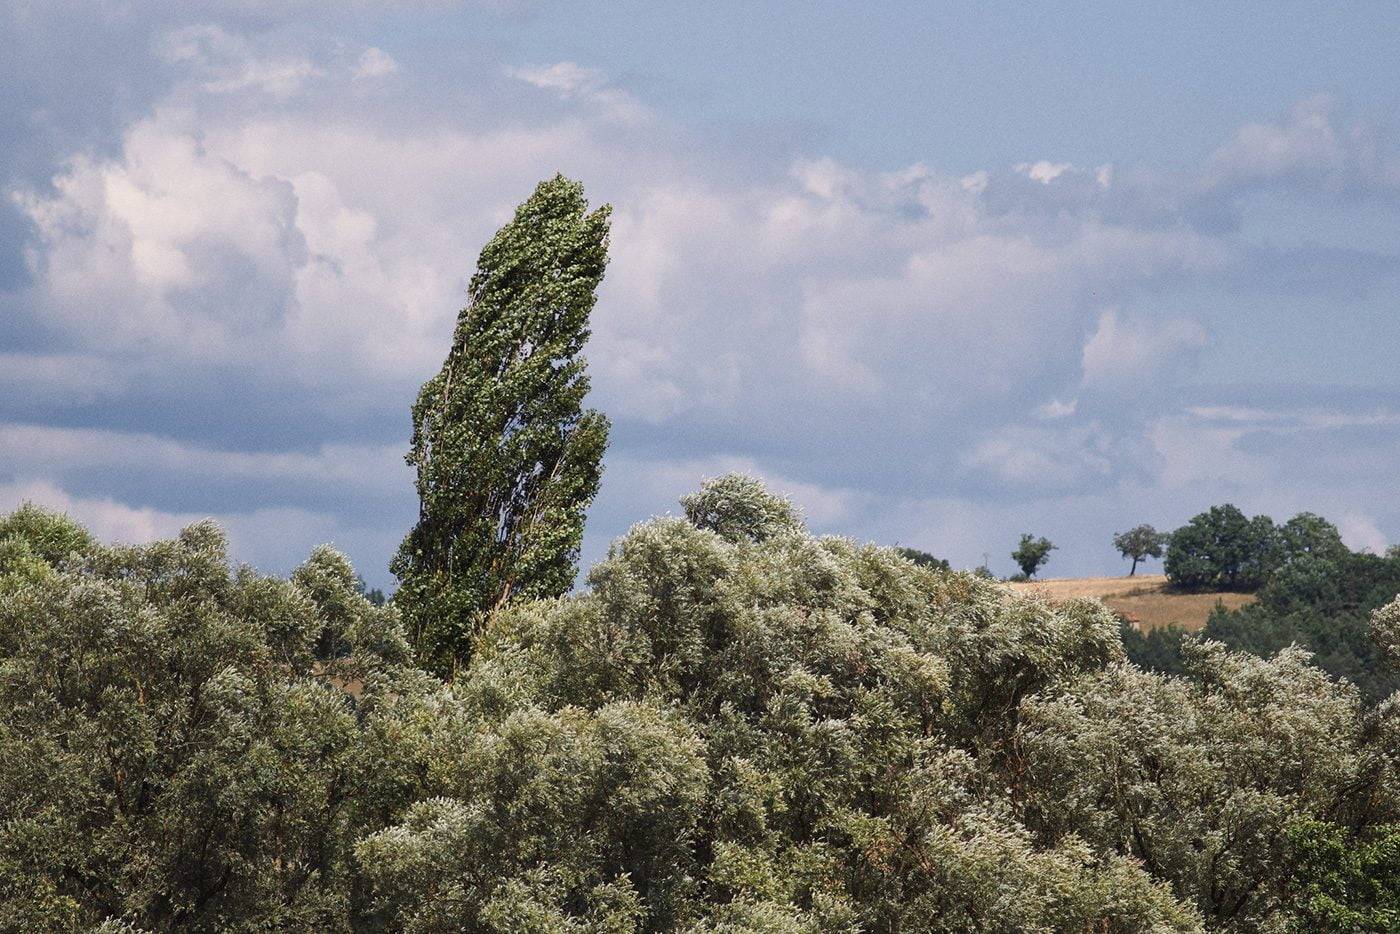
(507, 457)
(1343, 880)
(1327, 606)
(923, 559)
(1222, 549)
(1139, 544)
(1308, 534)
(1031, 553)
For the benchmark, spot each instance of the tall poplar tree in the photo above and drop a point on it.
(507, 457)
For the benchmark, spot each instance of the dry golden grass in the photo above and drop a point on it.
(1142, 599)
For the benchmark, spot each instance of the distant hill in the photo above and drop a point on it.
(1143, 600)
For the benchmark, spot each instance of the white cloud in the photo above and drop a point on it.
(1361, 533)
(106, 518)
(1133, 353)
(976, 183)
(257, 243)
(155, 243)
(1011, 300)
(374, 62)
(1311, 146)
(270, 221)
(661, 482)
(1045, 458)
(275, 539)
(1190, 456)
(50, 450)
(571, 81)
(563, 77)
(1043, 171)
(1057, 408)
(228, 63)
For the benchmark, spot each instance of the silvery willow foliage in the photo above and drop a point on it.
(176, 749)
(507, 459)
(738, 507)
(738, 727)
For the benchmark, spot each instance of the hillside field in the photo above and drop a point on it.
(1142, 599)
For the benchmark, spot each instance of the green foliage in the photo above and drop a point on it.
(1221, 549)
(1139, 543)
(1031, 553)
(1345, 881)
(47, 536)
(738, 508)
(173, 755)
(1157, 649)
(829, 708)
(1310, 535)
(373, 594)
(1314, 593)
(923, 559)
(751, 731)
(1329, 606)
(507, 459)
(1201, 778)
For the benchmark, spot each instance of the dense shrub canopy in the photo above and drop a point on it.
(737, 727)
(175, 752)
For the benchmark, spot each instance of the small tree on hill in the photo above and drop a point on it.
(1139, 544)
(507, 457)
(1031, 553)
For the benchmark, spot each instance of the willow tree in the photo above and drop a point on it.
(507, 457)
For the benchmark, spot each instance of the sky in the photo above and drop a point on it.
(941, 272)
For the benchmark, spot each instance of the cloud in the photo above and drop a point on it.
(573, 82)
(76, 378)
(1043, 171)
(1189, 455)
(238, 293)
(362, 471)
(1361, 533)
(1046, 459)
(228, 63)
(1135, 354)
(106, 518)
(1057, 408)
(275, 539)
(374, 62)
(1312, 147)
(660, 482)
(168, 245)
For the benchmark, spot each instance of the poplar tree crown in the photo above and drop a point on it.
(507, 457)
